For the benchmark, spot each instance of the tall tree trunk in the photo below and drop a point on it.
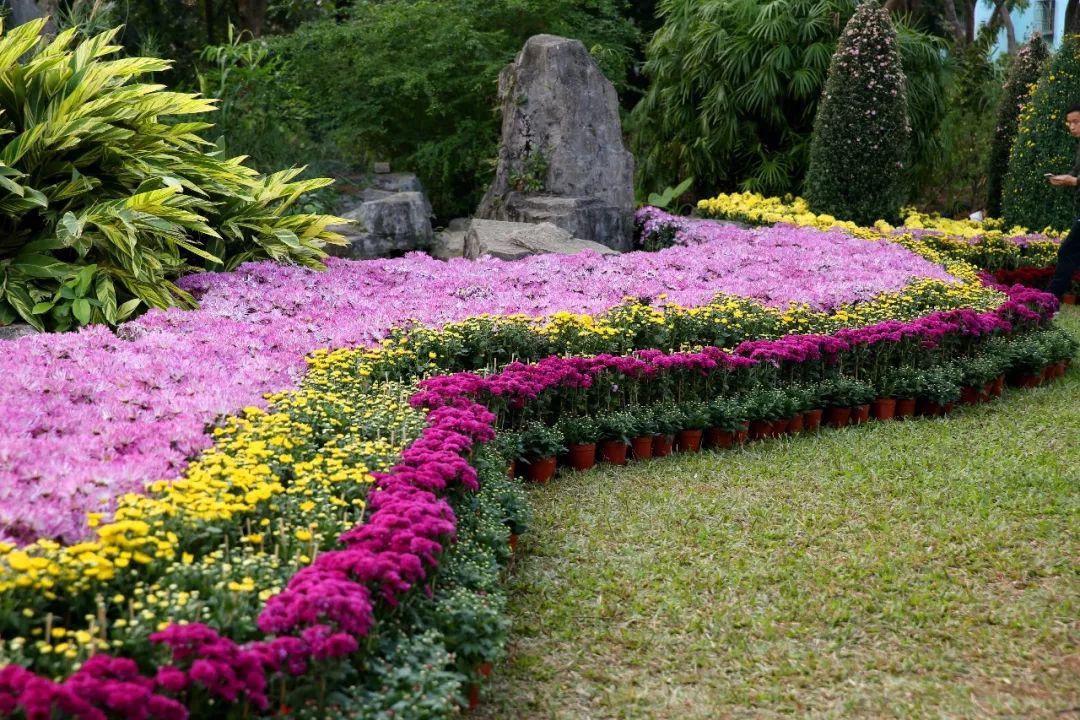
(210, 17)
(252, 15)
(954, 22)
(1006, 22)
(1072, 17)
(969, 21)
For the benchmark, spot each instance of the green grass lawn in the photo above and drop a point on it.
(925, 569)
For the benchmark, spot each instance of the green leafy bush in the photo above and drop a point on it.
(1024, 73)
(412, 82)
(104, 203)
(734, 86)
(861, 134)
(956, 181)
(1043, 145)
(409, 677)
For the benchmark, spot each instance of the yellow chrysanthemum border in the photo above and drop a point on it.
(951, 236)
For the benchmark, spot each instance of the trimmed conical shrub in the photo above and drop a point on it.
(861, 134)
(1023, 74)
(1043, 145)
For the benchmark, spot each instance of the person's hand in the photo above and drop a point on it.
(1069, 180)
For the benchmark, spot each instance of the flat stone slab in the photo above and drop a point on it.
(513, 240)
(16, 330)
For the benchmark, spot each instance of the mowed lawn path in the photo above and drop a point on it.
(924, 569)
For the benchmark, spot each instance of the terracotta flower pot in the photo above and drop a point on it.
(928, 408)
(1026, 380)
(719, 439)
(1062, 367)
(860, 414)
(484, 669)
(582, 456)
(742, 433)
(779, 428)
(884, 408)
(511, 469)
(986, 392)
(642, 447)
(662, 445)
(999, 385)
(838, 416)
(540, 470)
(812, 419)
(905, 407)
(474, 696)
(1068, 299)
(796, 423)
(969, 396)
(513, 542)
(760, 429)
(688, 440)
(948, 407)
(613, 451)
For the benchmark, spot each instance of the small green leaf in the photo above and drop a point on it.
(127, 308)
(81, 310)
(40, 266)
(42, 307)
(83, 279)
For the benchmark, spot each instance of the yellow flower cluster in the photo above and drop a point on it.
(983, 243)
(275, 488)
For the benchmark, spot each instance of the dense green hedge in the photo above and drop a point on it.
(734, 86)
(412, 82)
(1023, 74)
(861, 135)
(1043, 145)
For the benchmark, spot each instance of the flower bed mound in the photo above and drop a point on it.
(88, 416)
(777, 266)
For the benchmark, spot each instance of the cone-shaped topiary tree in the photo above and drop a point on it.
(861, 134)
(1023, 74)
(1043, 145)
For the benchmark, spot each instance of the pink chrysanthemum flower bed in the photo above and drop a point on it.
(88, 416)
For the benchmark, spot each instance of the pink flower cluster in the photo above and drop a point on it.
(785, 263)
(89, 416)
(928, 331)
(520, 383)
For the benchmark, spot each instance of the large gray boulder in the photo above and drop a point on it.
(511, 240)
(449, 242)
(561, 158)
(16, 331)
(386, 222)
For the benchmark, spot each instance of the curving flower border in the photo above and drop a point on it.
(329, 606)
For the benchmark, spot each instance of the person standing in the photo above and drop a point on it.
(1068, 260)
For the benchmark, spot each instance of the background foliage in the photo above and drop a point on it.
(861, 134)
(103, 203)
(1043, 145)
(1023, 74)
(411, 82)
(734, 87)
(955, 181)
